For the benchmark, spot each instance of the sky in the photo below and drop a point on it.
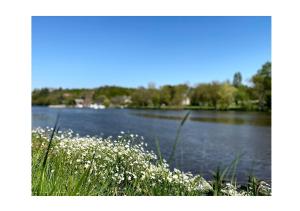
(89, 52)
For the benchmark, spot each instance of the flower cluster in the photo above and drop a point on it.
(113, 166)
(123, 161)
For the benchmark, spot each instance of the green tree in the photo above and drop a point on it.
(237, 79)
(101, 99)
(180, 92)
(206, 94)
(200, 95)
(213, 93)
(241, 96)
(226, 95)
(154, 95)
(140, 97)
(166, 95)
(262, 86)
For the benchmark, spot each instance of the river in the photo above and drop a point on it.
(208, 139)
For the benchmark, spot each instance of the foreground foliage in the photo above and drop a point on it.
(67, 164)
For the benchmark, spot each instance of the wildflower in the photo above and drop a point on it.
(176, 170)
(137, 162)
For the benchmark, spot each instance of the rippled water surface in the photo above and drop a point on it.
(208, 139)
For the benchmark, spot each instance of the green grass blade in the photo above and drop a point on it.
(41, 180)
(84, 177)
(171, 158)
(158, 149)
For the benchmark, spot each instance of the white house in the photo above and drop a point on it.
(79, 103)
(186, 101)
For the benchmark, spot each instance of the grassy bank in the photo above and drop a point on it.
(67, 164)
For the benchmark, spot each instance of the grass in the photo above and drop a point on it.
(171, 158)
(95, 166)
(64, 164)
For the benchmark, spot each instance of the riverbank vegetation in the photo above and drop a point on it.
(214, 95)
(67, 164)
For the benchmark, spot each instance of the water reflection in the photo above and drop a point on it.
(264, 120)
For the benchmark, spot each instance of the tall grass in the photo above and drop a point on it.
(171, 158)
(42, 175)
(226, 176)
(96, 166)
(70, 165)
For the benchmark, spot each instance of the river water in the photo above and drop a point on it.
(208, 139)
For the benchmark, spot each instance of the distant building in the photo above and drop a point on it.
(120, 101)
(79, 103)
(127, 100)
(67, 95)
(186, 101)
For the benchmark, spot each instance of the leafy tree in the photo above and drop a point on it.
(241, 96)
(113, 91)
(166, 95)
(140, 97)
(206, 94)
(237, 79)
(200, 95)
(40, 96)
(226, 94)
(213, 93)
(179, 94)
(101, 99)
(154, 95)
(262, 86)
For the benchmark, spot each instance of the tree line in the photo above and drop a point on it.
(214, 95)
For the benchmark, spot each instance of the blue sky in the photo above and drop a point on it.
(88, 52)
